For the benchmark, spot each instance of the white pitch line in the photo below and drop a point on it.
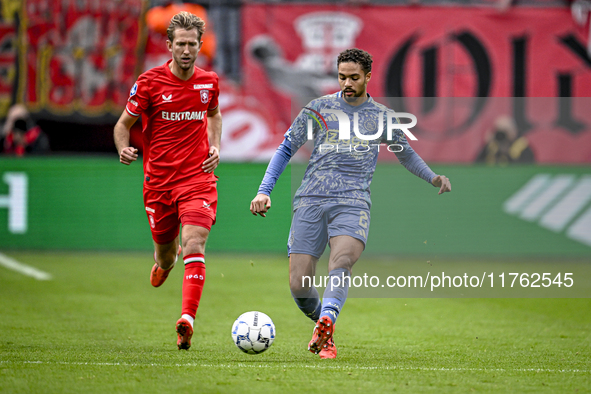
(337, 367)
(24, 269)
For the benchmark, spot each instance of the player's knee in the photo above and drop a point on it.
(345, 261)
(165, 259)
(195, 244)
(299, 291)
(300, 284)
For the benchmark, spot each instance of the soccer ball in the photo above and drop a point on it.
(253, 332)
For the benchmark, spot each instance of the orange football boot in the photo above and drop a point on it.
(185, 333)
(322, 333)
(158, 275)
(329, 350)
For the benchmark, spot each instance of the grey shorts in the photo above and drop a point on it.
(312, 227)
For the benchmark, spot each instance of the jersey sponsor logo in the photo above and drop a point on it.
(559, 203)
(133, 90)
(186, 115)
(203, 86)
(167, 99)
(204, 96)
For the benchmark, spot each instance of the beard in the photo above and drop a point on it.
(356, 95)
(184, 66)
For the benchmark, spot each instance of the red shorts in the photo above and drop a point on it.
(194, 205)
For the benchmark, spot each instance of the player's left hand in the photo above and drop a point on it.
(442, 182)
(212, 161)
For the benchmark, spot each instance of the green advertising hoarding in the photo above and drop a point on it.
(96, 204)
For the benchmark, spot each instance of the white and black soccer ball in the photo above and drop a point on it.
(253, 332)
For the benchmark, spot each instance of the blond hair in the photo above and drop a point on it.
(185, 20)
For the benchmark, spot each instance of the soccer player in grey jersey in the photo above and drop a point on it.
(332, 204)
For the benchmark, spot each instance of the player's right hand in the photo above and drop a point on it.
(260, 205)
(127, 155)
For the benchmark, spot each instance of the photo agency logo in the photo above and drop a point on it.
(367, 136)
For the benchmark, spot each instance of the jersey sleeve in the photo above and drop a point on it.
(276, 167)
(297, 134)
(411, 159)
(407, 155)
(139, 99)
(213, 104)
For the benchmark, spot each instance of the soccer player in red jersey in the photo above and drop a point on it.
(182, 127)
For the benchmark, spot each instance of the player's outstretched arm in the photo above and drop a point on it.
(443, 183)
(214, 133)
(260, 204)
(127, 154)
(413, 163)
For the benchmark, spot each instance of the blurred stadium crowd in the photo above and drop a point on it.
(66, 68)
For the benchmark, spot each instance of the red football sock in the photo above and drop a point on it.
(193, 283)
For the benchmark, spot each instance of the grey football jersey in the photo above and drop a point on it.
(340, 171)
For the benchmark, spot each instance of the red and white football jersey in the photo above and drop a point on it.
(174, 120)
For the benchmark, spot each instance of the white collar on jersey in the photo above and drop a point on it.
(340, 94)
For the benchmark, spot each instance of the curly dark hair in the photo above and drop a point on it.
(358, 56)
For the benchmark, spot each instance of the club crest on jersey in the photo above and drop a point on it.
(204, 96)
(167, 99)
(133, 90)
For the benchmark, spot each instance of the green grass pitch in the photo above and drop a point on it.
(99, 327)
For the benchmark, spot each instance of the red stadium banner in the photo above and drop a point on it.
(516, 63)
(78, 59)
(8, 56)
